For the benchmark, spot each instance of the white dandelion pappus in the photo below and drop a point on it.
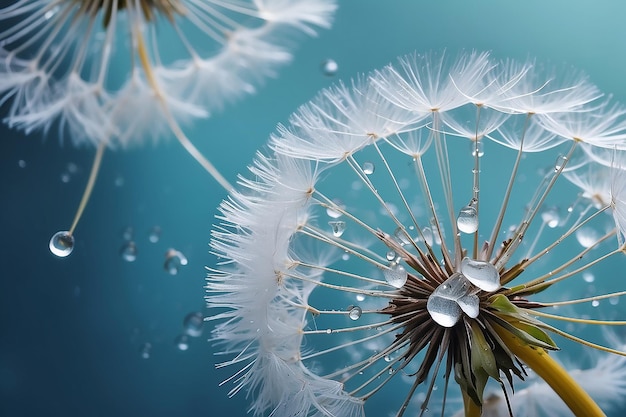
(376, 299)
(112, 73)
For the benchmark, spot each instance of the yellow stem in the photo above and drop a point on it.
(180, 135)
(95, 168)
(470, 407)
(554, 374)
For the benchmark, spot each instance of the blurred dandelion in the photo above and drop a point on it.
(440, 266)
(111, 73)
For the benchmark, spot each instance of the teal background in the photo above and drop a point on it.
(71, 329)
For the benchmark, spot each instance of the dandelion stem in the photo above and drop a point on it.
(550, 371)
(471, 408)
(93, 174)
(176, 130)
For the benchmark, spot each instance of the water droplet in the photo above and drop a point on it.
(587, 237)
(155, 234)
(614, 300)
(467, 221)
(396, 275)
(65, 177)
(391, 255)
(480, 273)
(387, 358)
(551, 217)
(470, 304)
(401, 236)
(345, 256)
(329, 331)
(368, 168)
(182, 342)
(560, 162)
(127, 234)
(128, 251)
(329, 67)
(443, 304)
(21, 163)
(595, 303)
(173, 261)
(338, 227)
(192, 324)
(354, 312)
(588, 277)
(145, 350)
(360, 297)
(477, 147)
(334, 212)
(428, 236)
(62, 244)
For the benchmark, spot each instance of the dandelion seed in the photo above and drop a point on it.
(465, 310)
(61, 62)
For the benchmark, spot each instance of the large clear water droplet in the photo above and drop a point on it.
(354, 312)
(368, 168)
(61, 244)
(334, 212)
(396, 275)
(338, 227)
(329, 67)
(173, 261)
(443, 303)
(128, 251)
(467, 221)
(560, 162)
(480, 273)
(193, 323)
(470, 304)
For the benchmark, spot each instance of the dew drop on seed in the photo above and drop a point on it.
(480, 273)
(173, 261)
(595, 303)
(401, 236)
(477, 148)
(155, 234)
(128, 251)
(62, 244)
(182, 342)
(368, 168)
(338, 227)
(395, 275)
(470, 304)
(442, 304)
(329, 67)
(560, 162)
(354, 312)
(467, 220)
(193, 323)
(391, 255)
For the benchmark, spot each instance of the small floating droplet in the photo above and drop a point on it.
(173, 261)
(550, 216)
(588, 277)
(354, 312)
(62, 244)
(182, 342)
(587, 237)
(193, 323)
(145, 350)
(21, 163)
(338, 227)
(128, 251)
(396, 275)
(467, 221)
(360, 297)
(480, 273)
(368, 168)
(329, 67)
(155, 234)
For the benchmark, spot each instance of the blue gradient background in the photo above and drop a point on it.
(71, 329)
